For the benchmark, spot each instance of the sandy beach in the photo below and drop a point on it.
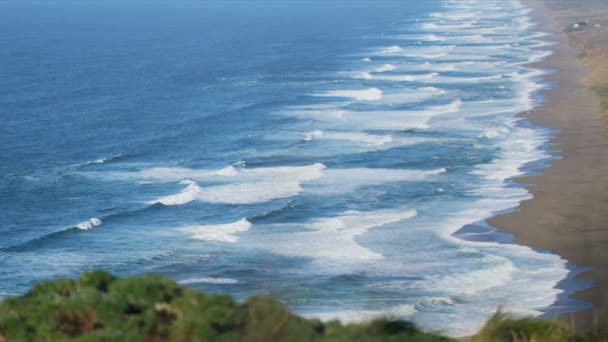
(568, 212)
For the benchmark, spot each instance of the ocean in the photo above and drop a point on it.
(340, 156)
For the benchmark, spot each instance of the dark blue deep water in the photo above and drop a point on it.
(322, 152)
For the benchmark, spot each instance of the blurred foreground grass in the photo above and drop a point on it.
(100, 307)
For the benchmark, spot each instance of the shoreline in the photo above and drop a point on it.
(566, 214)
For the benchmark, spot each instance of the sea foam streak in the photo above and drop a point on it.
(218, 232)
(386, 120)
(251, 186)
(333, 239)
(372, 94)
(372, 142)
(209, 280)
(240, 185)
(369, 139)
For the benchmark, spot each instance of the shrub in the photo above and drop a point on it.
(100, 307)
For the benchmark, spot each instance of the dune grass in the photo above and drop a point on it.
(100, 307)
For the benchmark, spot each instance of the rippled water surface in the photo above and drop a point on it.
(323, 152)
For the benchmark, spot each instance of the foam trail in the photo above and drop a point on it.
(362, 141)
(218, 232)
(259, 185)
(404, 311)
(174, 174)
(333, 238)
(208, 280)
(392, 49)
(101, 160)
(189, 194)
(371, 94)
(386, 120)
(244, 193)
(241, 186)
(403, 96)
(408, 96)
(368, 139)
(385, 68)
(250, 193)
(421, 52)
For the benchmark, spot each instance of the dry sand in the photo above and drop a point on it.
(569, 212)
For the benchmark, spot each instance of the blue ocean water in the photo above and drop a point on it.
(337, 155)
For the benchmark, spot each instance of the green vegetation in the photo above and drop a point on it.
(100, 307)
(602, 92)
(583, 55)
(502, 328)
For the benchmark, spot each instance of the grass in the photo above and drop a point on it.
(100, 307)
(602, 92)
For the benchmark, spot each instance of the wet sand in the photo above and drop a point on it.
(569, 212)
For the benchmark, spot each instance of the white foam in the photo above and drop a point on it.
(392, 49)
(339, 181)
(405, 77)
(404, 311)
(251, 193)
(313, 135)
(364, 76)
(462, 80)
(371, 94)
(368, 139)
(89, 224)
(100, 161)
(188, 194)
(228, 171)
(174, 174)
(371, 142)
(209, 280)
(245, 186)
(385, 68)
(218, 232)
(458, 15)
(494, 271)
(386, 120)
(421, 52)
(259, 185)
(464, 66)
(464, 38)
(241, 193)
(432, 38)
(407, 96)
(332, 239)
(516, 276)
(521, 147)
